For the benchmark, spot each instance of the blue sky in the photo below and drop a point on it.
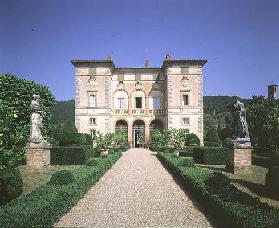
(239, 38)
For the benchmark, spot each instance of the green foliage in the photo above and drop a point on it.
(192, 139)
(187, 151)
(226, 204)
(228, 143)
(172, 138)
(261, 161)
(15, 101)
(92, 162)
(46, 204)
(272, 181)
(63, 111)
(71, 155)
(10, 185)
(212, 139)
(210, 155)
(62, 177)
(112, 140)
(263, 120)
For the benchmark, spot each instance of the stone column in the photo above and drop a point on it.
(130, 134)
(146, 104)
(130, 104)
(146, 133)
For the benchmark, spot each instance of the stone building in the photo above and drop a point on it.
(137, 100)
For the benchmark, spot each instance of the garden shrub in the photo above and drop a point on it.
(46, 204)
(62, 177)
(227, 205)
(192, 139)
(210, 155)
(10, 184)
(272, 181)
(261, 161)
(71, 155)
(212, 139)
(187, 151)
(92, 162)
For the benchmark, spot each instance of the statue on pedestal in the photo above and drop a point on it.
(241, 133)
(36, 139)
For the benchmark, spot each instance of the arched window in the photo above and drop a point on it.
(156, 100)
(121, 100)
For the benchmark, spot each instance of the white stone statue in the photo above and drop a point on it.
(36, 137)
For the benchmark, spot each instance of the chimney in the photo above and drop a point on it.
(272, 91)
(167, 56)
(109, 57)
(146, 64)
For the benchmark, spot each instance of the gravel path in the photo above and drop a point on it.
(137, 192)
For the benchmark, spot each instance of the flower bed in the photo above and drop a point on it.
(226, 204)
(45, 205)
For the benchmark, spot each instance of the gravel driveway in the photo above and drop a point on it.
(137, 192)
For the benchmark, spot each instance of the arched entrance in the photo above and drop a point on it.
(138, 133)
(121, 125)
(156, 124)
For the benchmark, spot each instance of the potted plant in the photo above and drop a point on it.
(103, 143)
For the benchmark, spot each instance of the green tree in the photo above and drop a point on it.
(263, 122)
(211, 138)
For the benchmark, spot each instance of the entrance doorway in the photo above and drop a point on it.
(138, 133)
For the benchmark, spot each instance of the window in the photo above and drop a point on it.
(93, 101)
(184, 70)
(121, 77)
(93, 133)
(156, 103)
(93, 121)
(121, 102)
(138, 77)
(185, 100)
(186, 121)
(92, 71)
(138, 102)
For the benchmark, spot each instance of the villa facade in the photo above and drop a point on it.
(138, 100)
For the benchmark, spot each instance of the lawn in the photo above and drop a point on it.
(35, 178)
(251, 182)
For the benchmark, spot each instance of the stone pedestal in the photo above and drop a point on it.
(38, 158)
(239, 159)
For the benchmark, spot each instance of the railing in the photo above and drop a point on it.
(120, 111)
(139, 112)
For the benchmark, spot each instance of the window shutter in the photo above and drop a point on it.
(92, 71)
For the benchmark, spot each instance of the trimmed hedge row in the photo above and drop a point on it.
(71, 155)
(65, 139)
(261, 160)
(210, 155)
(10, 185)
(228, 206)
(187, 151)
(272, 182)
(46, 204)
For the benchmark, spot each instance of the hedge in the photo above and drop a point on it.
(261, 160)
(10, 185)
(187, 151)
(45, 205)
(210, 155)
(71, 155)
(272, 182)
(226, 204)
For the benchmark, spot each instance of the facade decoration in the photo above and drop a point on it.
(138, 99)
